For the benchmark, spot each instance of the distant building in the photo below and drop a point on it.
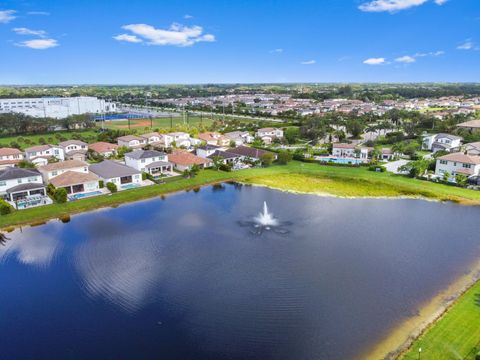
(131, 141)
(240, 137)
(214, 138)
(471, 125)
(10, 157)
(441, 142)
(103, 148)
(473, 148)
(56, 107)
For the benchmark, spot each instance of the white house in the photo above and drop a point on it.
(269, 134)
(52, 170)
(149, 161)
(182, 139)
(207, 150)
(458, 163)
(442, 141)
(343, 150)
(76, 182)
(40, 154)
(123, 176)
(16, 183)
(152, 138)
(473, 148)
(131, 141)
(240, 137)
(74, 149)
(214, 138)
(10, 157)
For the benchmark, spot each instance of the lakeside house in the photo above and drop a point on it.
(104, 148)
(343, 150)
(249, 153)
(131, 141)
(268, 135)
(240, 137)
(50, 171)
(20, 184)
(10, 157)
(473, 148)
(40, 154)
(150, 161)
(74, 149)
(227, 157)
(123, 176)
(76, 182)
(214, 138)
(458, 163)
(438, 142)
(184, 160)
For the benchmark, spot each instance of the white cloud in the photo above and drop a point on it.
(39, 44)
(187, 17)
(176, 34)
(41, 13)
(431, 53)
(308, 62)
(394, 5)
(375, 61)
(406, 59)
(6, 16)
(26, 31)
(466, 45)
(128, 38)
(276, 51)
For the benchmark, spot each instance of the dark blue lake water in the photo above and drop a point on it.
(187, 278)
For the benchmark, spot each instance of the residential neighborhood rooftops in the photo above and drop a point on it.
(72, 142)
(208, 147)
(38, 148)
(144, 154)
(16, 173)
(186, 159)
(210, 136)
(449, 136)
(472, 124)
(267, 129)
(462, 158)
(248, 152)
(103, 147)
(149, 135)
(62, 165)
(129, 138)
(109, 169)
(72, 178)
(9, 151)
(223, 154)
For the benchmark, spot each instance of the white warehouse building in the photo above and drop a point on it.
(56, 107)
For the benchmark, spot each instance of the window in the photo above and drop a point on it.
(468, 166)
(443, 162)
(54, 173)
(3, 183)
(19, 181)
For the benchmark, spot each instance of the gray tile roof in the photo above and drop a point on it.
(108, 169)
(17, 173)
(26, 186)
(144, 154)
(224, 154)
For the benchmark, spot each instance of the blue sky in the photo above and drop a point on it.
(213, 41)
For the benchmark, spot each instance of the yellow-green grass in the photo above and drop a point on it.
(296, 176)
(456, 335)
(51, 138)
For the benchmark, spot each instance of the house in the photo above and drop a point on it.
(473, 148)
(445, 142)
(104, 148)
(50, 171)
(149, 161)
(458, 163)
(152, 138)
(183, 160)
(387, 154)
(206, 150)
(16, 183)
(131, 141)
(249, 153)
(76, 182)
(343, 150)
(214, 138)
(183, 139)
(227, 157)
(123, 176)
(240, 137)
(40, 154)
(268, 135)
(472, 125)
(74, 149)
(10, 157)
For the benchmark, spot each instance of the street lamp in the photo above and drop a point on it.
(419, 353)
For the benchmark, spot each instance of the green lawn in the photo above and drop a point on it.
(296, 176)
(50, 138)
(456, 335)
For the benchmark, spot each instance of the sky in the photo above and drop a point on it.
(238, 41)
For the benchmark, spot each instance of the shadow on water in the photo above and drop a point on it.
(3, 239)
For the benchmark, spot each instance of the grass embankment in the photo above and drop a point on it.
(456, 335)
(51, 138)
(296, 176)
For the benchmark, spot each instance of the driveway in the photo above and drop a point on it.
(394, 165)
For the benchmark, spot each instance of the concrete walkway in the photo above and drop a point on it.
(394, 165)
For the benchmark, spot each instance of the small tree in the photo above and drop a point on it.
(446, 176)
(195, 170)
(267, 159)
(101, 184)
(284, 157)
(5, 207)
(461, 180)
(60, 195)
(217, 162)
(112, 187)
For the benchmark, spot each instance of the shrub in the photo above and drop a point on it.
(284, 157)
(60, 195)
(51, 190)
(112, 187)
(5, 207)
(377, 168)
(101, 184)
(267, 159)
(225, 167)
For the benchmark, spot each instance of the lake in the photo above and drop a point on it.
(190, 276)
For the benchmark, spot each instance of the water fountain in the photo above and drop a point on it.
(265, 218)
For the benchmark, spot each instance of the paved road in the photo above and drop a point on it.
(394, 165)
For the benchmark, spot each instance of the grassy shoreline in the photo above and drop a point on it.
(298, 177)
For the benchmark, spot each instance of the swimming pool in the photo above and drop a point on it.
(84, 195)
(340, 160)
(130, 186)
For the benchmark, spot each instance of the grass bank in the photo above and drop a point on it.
(51, 138)
(296, 176)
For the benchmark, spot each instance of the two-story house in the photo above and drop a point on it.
(206, 150)
(437, 142)
(152, 138)
(40, 154)
(10, 157)
(74, 149)
(214, 138)
(473, 148)
(268, 135)
(53, 170)
(149, 161)
(240, 137)
(458, 163)
(17, 183)
(131, 141)
(182, 139)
